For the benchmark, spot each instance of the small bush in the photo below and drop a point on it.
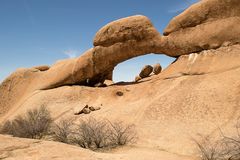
(233, 144)
(121, 134)
(92, 134)
(97, 134)
(227, 148)
(210, 150)
(34, 124)
(6, 128)
(62, 130)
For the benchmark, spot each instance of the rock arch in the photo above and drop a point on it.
(209, 24)
(114, 43)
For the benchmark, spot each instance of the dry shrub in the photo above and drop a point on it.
(90, 133)
(6, 128)
(233, 144)
(62, 130)
(97, 134)
(210, 150)
(34, 124)
(121, 134)
(227, 148)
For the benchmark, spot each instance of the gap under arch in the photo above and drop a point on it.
(127, 70)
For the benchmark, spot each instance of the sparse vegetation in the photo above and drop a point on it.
(35, 124)
(90, 133)
(227, 148)
(209, 150)
(7, 128)
(62, 130)
(96, 134)
(121, 134)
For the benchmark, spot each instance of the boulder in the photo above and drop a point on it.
(92, 108)
(157, 68)
(97, 108)
(79, 109)
(42, 68)
(146, 71)
(86, 110)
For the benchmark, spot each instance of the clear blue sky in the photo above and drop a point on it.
(36, 32)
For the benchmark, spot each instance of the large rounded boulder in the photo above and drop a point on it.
(157, 68)
(146, 71)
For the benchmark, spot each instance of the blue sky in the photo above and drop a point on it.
(36, 32)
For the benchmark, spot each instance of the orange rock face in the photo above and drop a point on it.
(197, 93)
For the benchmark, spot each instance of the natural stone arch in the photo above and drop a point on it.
(114, 43)
(192, 31)
(134, 36)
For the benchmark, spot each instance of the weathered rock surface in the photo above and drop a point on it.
(26, 149)
(146, 71)
(124, 39)
(207, 24)
(195, 95)
(136, 28)
(204, 27)
(168, 108)
(203, 12)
